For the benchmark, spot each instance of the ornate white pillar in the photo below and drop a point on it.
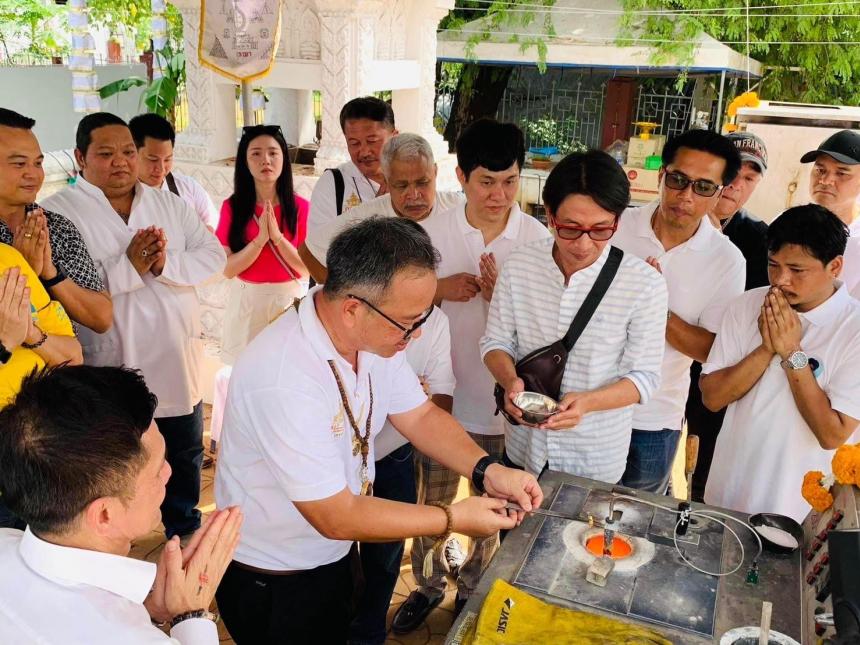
(211, 131)
(347, 54)
(415, 108)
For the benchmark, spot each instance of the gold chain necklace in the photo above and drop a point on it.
(360, 444)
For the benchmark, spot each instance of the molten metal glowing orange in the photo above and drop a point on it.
(621, 548)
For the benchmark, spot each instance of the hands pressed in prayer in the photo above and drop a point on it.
(489, 274)
(783, 324)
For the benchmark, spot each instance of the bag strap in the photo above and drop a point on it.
(171, 184)
(338, 188)
(592, 300)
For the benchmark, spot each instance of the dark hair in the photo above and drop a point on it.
(70, 436)
(706, 141)
(366, 256)
(594, 174)
(83, 137)
(152, 126)
(493, 145)
(244, 197)
(12, 119)
(811, 226)
(367, 107)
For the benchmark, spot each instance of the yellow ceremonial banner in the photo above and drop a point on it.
(239, 38)
(510, 616)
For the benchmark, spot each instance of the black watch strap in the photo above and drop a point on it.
(480, 470)
(5, 354)
(57, 279)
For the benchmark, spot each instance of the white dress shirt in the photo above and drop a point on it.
(55, 595)
(429, 356)
(287, 439)
(357, 189)
(156, 320)
(532, 308)
(765, 447)
(320, 238)
(703, 275)
(196, 197)
(461, 245)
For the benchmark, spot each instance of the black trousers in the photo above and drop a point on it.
(705, 424)
(313, 606)
(183, 437)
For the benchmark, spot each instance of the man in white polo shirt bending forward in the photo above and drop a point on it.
(785, 362)
(306, 399)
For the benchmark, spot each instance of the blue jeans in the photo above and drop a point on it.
(649, 462)
(183, 437)
(380, 561)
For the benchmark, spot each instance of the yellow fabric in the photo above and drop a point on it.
(513, 617)
(48, 314)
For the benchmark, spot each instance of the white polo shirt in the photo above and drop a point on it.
(286, 438)
(461, 246)
(58, 594)
(765, 447)
(357, 189)
(320, 238)
(851, 266)
(703, 275)
(196, 197)
(429, 356)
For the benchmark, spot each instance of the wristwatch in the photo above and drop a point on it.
(5, 354)
(480, 470)
(797, 360)
(197, 613)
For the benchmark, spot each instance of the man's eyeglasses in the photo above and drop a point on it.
(257, 130)
(596, 233)
(407, 331)
(680, 181)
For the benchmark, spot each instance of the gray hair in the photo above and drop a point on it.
(405, 147)
(365, 257)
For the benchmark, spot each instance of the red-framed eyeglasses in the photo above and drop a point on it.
(596, 233)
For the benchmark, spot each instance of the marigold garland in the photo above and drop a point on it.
(813, 492)
(846, 464)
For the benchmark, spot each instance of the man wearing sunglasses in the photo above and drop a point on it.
(704, 271)
(307, 399)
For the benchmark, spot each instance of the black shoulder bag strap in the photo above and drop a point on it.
(592, 300)
(171, 184)
(338, 188)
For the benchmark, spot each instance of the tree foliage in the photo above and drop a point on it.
(28, 21)
(821, 70)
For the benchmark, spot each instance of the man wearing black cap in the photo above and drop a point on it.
(749, 234)
(835, 179)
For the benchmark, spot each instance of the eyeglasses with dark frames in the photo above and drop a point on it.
(596, 233)
(257, 130)
(407, 331)
(680, 181)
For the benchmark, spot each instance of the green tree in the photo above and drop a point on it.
(132, 17)
(27, 21)
(808, 49)
(480, 87)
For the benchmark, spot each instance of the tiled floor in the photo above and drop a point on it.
(440, 619)
(432, 631)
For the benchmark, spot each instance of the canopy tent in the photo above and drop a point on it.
(586, 32)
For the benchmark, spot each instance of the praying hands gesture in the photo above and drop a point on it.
(15, 317)
(186, 579)
(782, 324)
(275, 233)
(147, 249)
(460, 287)
(489, 274)
(32, 240)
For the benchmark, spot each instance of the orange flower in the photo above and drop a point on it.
(813, 492)
(846, 464)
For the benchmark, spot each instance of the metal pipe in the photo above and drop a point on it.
(247, 108)
(719, 122)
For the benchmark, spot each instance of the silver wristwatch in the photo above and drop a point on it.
(797, 360)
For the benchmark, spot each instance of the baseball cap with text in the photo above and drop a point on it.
(751, 148)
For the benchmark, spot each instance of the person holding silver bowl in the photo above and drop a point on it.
(577, 320)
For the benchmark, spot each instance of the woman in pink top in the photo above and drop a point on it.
(262, 223)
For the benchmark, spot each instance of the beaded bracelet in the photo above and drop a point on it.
(427, 569)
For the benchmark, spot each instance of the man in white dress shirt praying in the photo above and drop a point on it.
(152, 251)
(84, 466)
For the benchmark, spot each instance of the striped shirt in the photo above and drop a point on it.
(532, 308)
